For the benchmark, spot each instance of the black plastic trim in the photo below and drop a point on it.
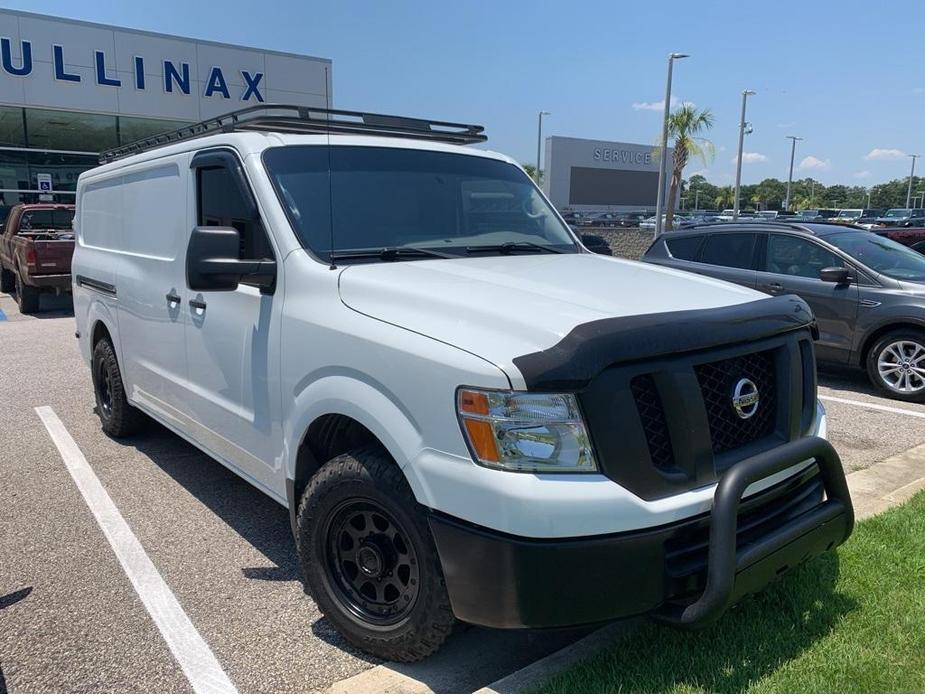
(503, 581)
(725, 559)
(591, 347)
(96, 285)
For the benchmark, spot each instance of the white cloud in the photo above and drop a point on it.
(862, 174)
(812, 162)
(750, 158)
(660, 105)
(699, 172)
(878, 153)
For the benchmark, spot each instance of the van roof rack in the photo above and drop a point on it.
(287, 118)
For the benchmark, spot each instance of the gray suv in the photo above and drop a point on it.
(867, 292)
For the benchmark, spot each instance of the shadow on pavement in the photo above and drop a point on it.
(251, 513)
(14, 597)
(472, 658)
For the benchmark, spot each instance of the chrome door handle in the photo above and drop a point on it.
(172, 298)
(196, 303)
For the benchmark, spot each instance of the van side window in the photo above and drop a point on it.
(789, 255)
(220, 205)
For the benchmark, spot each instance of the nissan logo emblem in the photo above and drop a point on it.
(745, 398)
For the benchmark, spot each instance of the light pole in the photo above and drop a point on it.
(697, 199)
(735, 205)
(911, 174)
(869, 190)
(793, 150)
(660, 196)
(539, 142)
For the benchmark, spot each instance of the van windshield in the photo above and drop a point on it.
(375, 198)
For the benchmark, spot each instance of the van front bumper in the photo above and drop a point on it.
(687, 572)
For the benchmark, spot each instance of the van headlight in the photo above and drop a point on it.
(525, 432)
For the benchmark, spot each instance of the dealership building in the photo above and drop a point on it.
(71, 89)
(599, 175)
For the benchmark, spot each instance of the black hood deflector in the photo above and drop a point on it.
(591, 347)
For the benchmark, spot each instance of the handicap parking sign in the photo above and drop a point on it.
(44, 182)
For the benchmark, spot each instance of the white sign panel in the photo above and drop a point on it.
(43, 180)
(80, 66)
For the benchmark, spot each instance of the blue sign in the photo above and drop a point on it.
(175, 75)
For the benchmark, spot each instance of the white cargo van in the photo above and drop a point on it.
(468, 415)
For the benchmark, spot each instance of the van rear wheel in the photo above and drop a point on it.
(117, 417)
(369, 560)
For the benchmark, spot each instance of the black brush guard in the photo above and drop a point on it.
(728, 565)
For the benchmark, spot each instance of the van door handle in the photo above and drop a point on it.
(172, 298)
(196, 303)
(775, 286)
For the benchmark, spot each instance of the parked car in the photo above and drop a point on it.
(857, 216)
(867, 292)
(902, 217)
(466, 414)
(907, 236)
(576, 219)
(816, 215)
(604, 219)
(630, 220)
(36, 245)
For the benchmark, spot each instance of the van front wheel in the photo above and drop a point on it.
(369, 560)
(117, 417)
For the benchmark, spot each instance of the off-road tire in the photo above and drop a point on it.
(368, 474)
(7, 281)
(27, 298)
(117, 417)
(906, 335)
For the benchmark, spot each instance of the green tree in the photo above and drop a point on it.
(686, 125)
(531, 171)
(724, 197)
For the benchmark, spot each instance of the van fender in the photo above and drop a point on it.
(355, 395)
(100, 312)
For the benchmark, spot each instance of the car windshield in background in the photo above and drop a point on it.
(366, 199)
(881, 254)
(898, 213)
(47, 219)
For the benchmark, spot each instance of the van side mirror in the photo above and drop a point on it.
(212, 262)
(838, 275)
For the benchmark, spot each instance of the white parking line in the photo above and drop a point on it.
(873, 406)
(188, 647)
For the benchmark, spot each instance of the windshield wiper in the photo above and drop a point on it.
(513, 246)
(390, 253)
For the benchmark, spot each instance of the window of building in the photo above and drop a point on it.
(132, 129)
(64, 168)
(221, 205)
(12, 131)
(729, 250)
(80, 132)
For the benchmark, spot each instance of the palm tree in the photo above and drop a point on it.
(685, 125)
(725, 196)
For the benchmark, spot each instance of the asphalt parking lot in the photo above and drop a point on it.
(70, 619)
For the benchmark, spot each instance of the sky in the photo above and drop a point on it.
(848, 77)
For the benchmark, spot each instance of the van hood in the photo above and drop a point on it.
(503, 307)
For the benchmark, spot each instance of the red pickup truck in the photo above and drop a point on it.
(36, 245)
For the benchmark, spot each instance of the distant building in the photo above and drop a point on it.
(71, 89)
(584, 174)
